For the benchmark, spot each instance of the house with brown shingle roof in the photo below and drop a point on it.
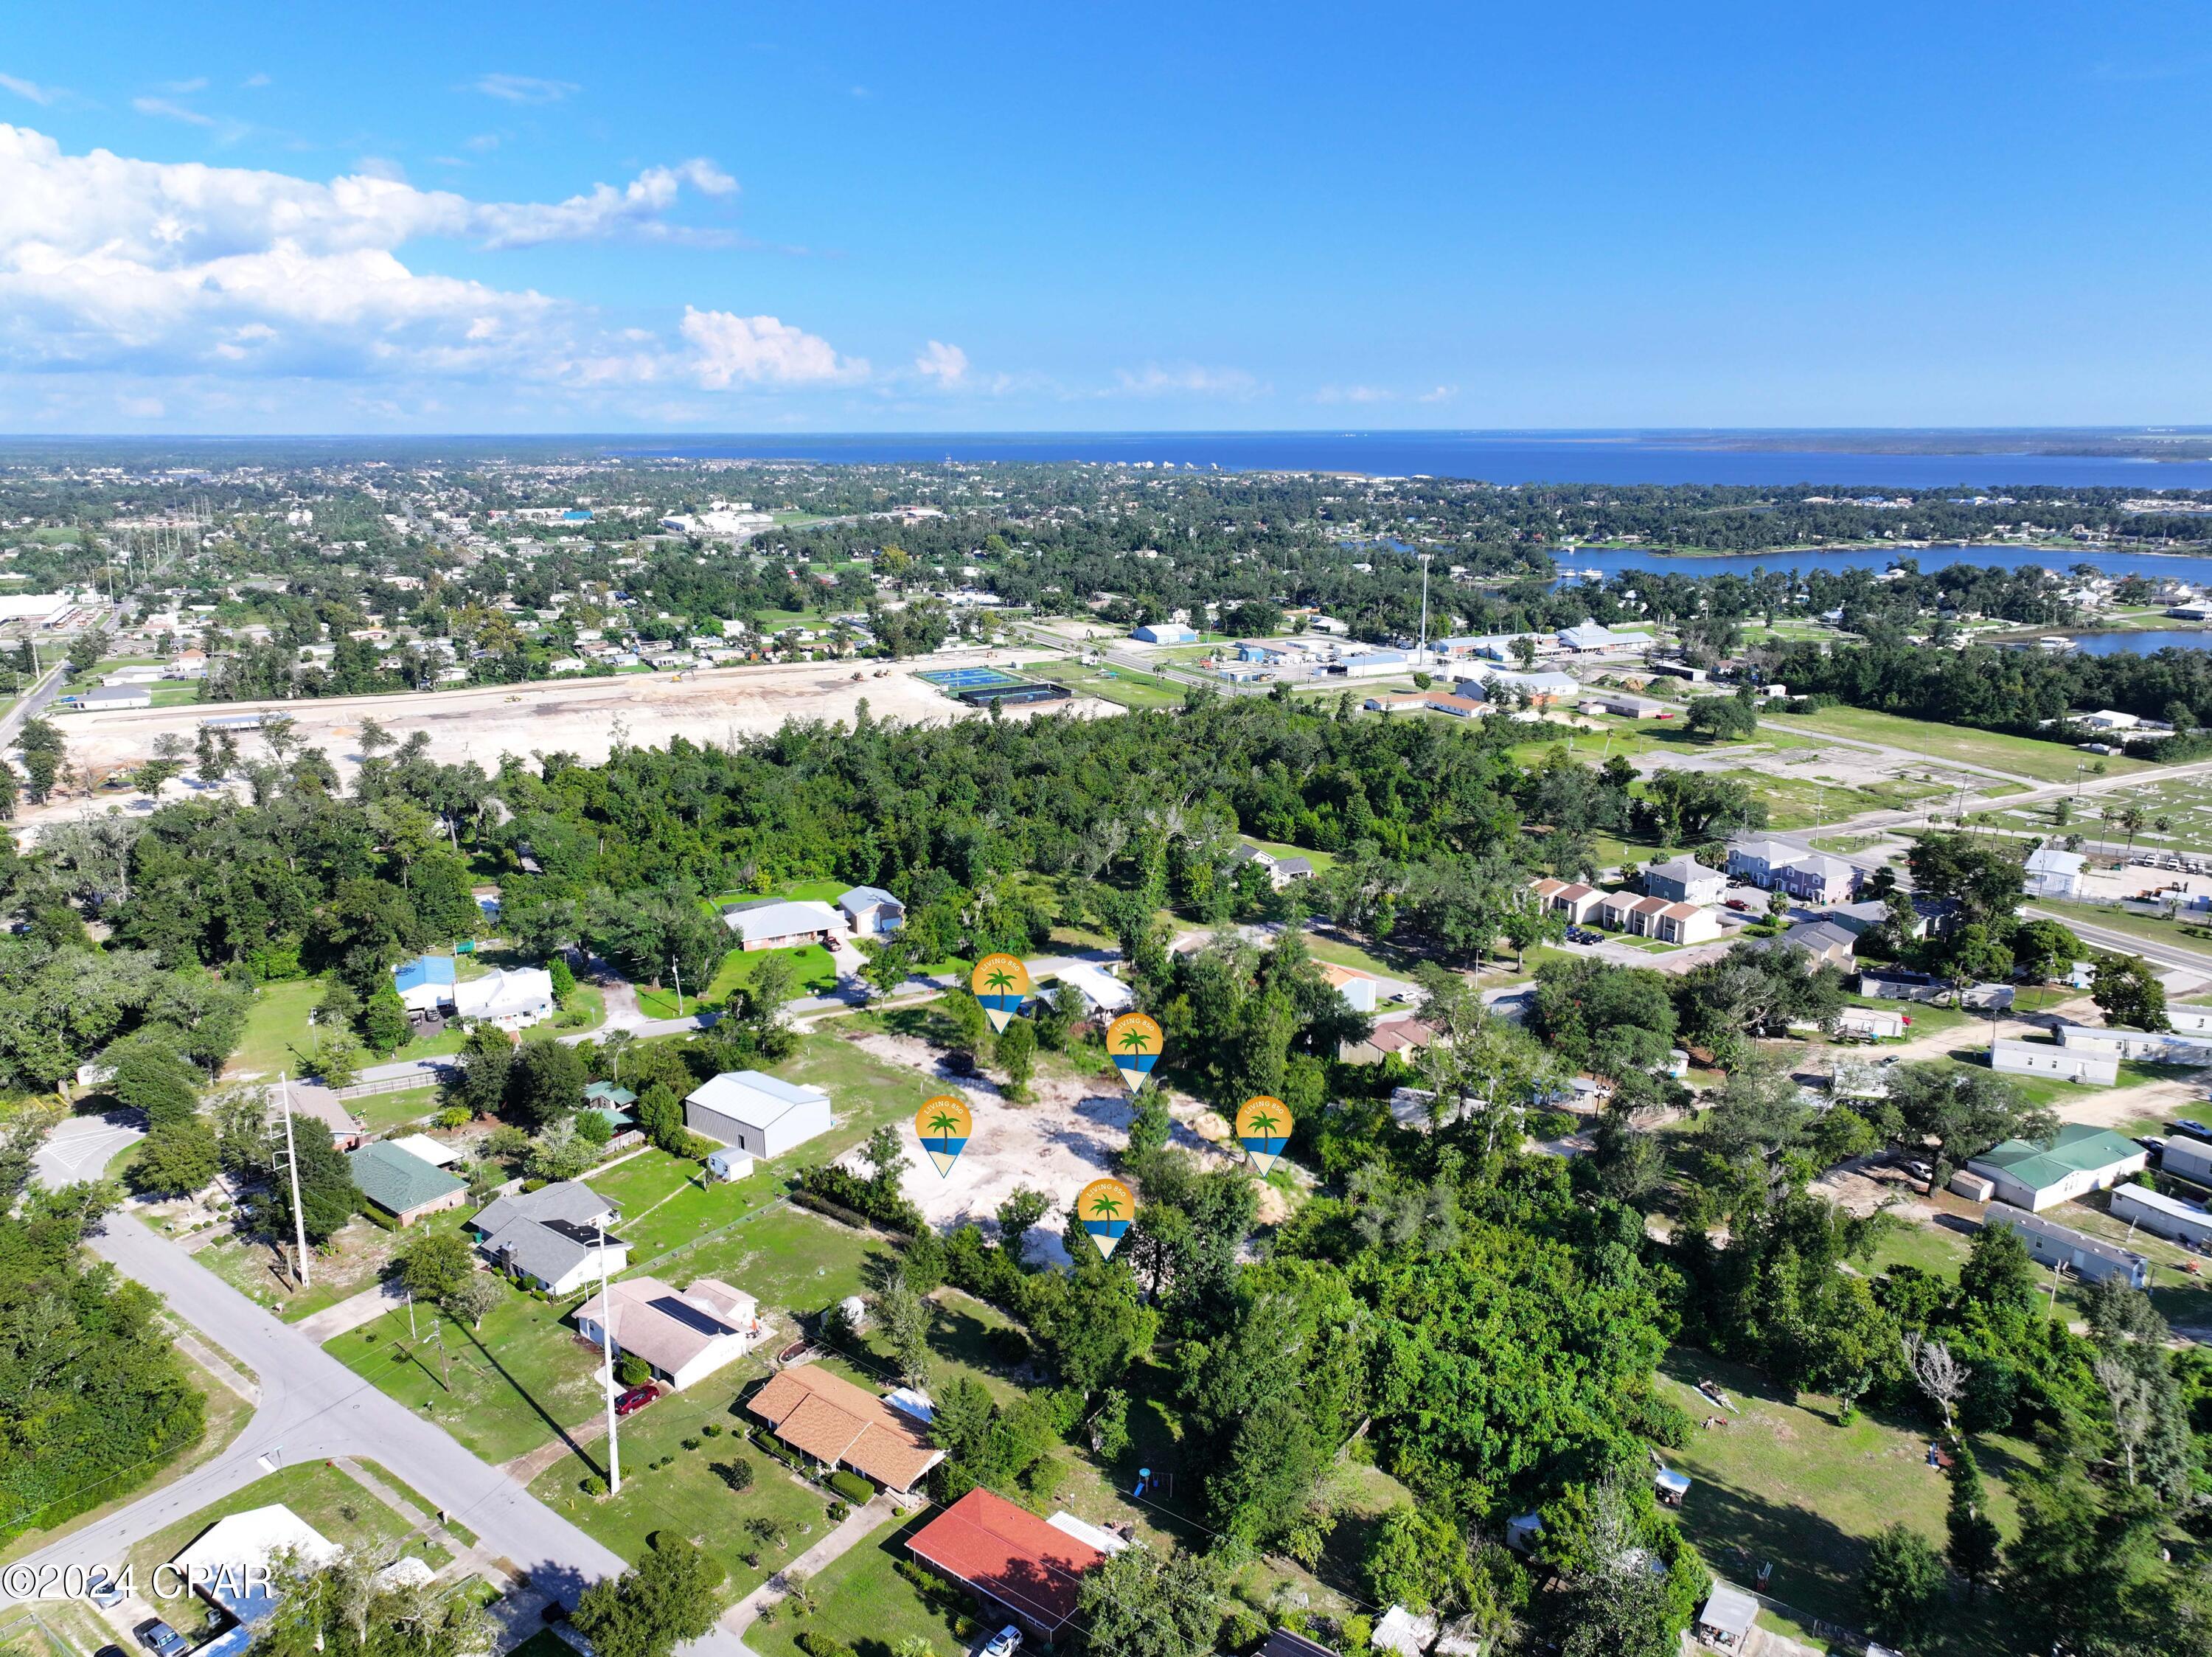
(827, 1418)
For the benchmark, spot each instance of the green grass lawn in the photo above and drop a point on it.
(863, 1602)
(353, 1260)
(2151, 928)
(278, 1021)
(689, 1495)
(341, 1510)
(2021, 756)
(1122, 686)
(382, 1112)
(1783, 1482)
(1322, 861)
(512, 1384)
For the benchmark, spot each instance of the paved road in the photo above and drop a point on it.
(2126, 943)
(314, 1407)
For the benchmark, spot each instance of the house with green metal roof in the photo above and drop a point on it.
(402, 1183)
(2078, 1160)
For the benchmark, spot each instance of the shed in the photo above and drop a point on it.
(729, 1163)
(1404, 1632)
(1670, 1487)
(1726, 1621)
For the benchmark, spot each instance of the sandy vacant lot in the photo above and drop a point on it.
(581, 717)
(1058, 1142)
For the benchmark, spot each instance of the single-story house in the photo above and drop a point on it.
(1016, 1565)
(313, 1098)
(2051, 873)
(551, 1236)
(870, 911)
(1282, 871)
(782, 923)
(684, 1337)
(402, 1183)
(2010, 1056)
(1404, 1633)
(1403, 1036)
(757, 1112)
(1097, 991)
(1880, 1023)
(2159, 1046)
(1726, 1621)
(2162, 1215)
(1284, 1643)
(2189, 1020)
(227, 1565)
(2079, 1159)
(1624, 705)
(2091, 1259)
(1362, 991)
(836, 1424)
(2186, 1157)
(1896, 984)
(425, 983)
(1828, 944)
(1685, 880)
(510, 997)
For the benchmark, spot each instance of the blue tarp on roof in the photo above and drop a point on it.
(422, 971)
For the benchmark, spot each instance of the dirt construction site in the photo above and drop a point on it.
(579, 717)
(1067, 1136)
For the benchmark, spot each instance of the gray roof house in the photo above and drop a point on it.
(1828, 944)
(1685, 880)
(551, 1236)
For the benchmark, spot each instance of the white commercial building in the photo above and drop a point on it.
(2051, 873)
(757, 1113)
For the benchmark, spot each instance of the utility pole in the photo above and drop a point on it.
(607, 1348)
(677, 967)
(1421, 656)
(291, 1156)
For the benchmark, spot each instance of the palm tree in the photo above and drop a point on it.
(1135, 1040)
(1261, 1125)
(999, 981)
(615, 1044)
(942, 1124)
(1106, 1206)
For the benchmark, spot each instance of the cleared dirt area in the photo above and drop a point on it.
(579, 717)
(1065, 1137)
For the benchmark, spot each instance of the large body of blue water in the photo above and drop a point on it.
(1492, 457)
(2158, 565)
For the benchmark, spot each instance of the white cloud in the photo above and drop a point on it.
(117, 266)
(256, 79)
(1354, 394)
(1441, 394)
(1157, 381)
(142, 408)
(525, 89)
(30, 90)
(946, 364)
(169, 110)
(752, 351)
(198, 83)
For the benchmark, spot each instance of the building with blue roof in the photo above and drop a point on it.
(425, 983)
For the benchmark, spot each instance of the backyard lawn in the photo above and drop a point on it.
(278, 1021)
(341, 1510)
(500, 1391)
(2021, 756)
(1783, 1483)
(693, 1494)
(817, 974)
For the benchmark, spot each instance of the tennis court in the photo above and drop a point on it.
(966, 678)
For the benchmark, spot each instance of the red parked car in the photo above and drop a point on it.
(636, 1399)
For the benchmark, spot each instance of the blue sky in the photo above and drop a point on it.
(731, 217)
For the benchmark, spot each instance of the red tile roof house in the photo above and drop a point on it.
(1016, 1565)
